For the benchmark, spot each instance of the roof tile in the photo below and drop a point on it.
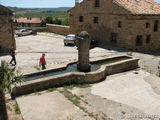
(140, 6)
(27, 20)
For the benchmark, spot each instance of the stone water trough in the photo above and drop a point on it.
(59, 77)
(79, 72)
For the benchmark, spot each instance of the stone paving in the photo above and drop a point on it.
(49, 106)
(116, 98)
(132, 90)
(119, 97)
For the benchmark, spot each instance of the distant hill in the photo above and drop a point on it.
(60, 12)
(18, 8)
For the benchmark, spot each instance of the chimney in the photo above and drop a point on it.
(76, 2)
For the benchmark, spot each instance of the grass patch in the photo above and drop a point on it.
(16, 109)
(82, 96)
(76, 101)
(91, 115)
(37, 93)
(9, 108)
(136, 72)
(123, 112)
(69, 119)
(52, 89)
(103, 118)
(73, 98)
(129, 53)
(77, 85)
(86, 102)
(37, 67)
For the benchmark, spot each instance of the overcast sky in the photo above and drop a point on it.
(40, 3)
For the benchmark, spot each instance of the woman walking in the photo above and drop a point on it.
(13, 57)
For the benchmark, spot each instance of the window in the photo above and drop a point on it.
(119, 24)
(139, 40)
(80, 18)
(96, 3)
(96, 20)
(147, 25)
(156, 26)
(148, 38)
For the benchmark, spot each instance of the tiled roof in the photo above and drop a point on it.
(140, 6)
(27, 20)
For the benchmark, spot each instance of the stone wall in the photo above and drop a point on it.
(59, 29)
(109, 15)
(7, 40)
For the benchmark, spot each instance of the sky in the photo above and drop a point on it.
(40, 3)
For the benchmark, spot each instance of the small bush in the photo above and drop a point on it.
(52, 89)
(129, 53)
(16, 108)
(37, 67)
(9, 108)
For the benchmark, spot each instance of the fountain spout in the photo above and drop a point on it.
(83, 52)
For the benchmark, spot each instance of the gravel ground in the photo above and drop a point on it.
(30, 48)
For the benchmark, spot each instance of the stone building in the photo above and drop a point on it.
(7, 40)
(132, 24)
(28, 22)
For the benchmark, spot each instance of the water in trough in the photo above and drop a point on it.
(73, 68)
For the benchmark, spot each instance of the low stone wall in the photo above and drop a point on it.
(75, 77)
(58, 29)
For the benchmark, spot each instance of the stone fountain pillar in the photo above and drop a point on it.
(83, 42)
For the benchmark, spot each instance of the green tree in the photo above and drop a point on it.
(46, 20)
(65, 22)
(43, 23)
(8, 77)
(57, 21)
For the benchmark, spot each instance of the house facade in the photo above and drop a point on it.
(132, 24)
(7, 40)
(28, 22)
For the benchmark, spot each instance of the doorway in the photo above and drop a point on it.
(113, 38)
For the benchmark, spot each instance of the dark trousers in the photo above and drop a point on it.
(43, 66)
(13, 59)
